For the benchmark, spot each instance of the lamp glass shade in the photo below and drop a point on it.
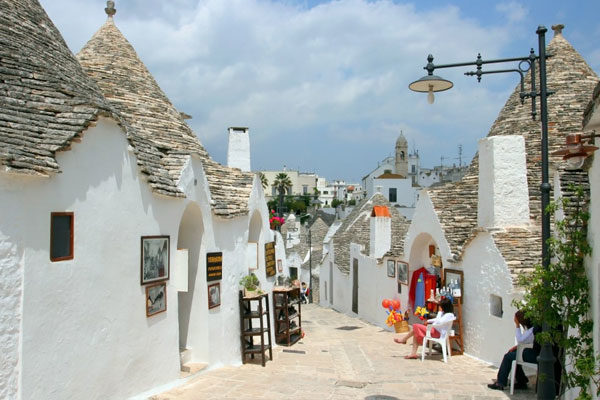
(430, 83)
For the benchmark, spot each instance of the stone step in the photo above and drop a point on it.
(191, 368)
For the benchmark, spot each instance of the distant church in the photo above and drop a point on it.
(399, 178)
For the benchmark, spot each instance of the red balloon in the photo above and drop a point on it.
(395, 304)
(385, 303)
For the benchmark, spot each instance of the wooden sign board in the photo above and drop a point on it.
(214, 266)
(270, 259)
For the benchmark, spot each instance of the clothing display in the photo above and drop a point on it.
(421, 279)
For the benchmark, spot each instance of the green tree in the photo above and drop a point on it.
(559, 296)
(336, 202)
(352, 202)
(282, 182)
(263, 180)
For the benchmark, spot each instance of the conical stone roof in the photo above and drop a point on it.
(162, 141)
(356, 228)
(46, 99)
(573, 82)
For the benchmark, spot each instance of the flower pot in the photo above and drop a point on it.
(250, 293)
(401, 327)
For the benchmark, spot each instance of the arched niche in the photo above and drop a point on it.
(253, 250)
(419, 251)
(193, 326)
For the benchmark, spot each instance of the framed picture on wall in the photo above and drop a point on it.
(154, 263)
(214, 295)
(279, 265)
(451, 275)
(402, 272)
(156, 298)
(391, 268)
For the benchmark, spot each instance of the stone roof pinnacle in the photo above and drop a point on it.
(558, 29)
(110, 9)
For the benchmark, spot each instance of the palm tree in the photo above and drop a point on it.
(282, 182)
(263, 180)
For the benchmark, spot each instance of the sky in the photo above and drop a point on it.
(323, 85)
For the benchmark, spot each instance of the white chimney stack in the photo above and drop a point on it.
(238, 150)
(381, 231)
(503, 191)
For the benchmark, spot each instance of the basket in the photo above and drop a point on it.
(401, 326)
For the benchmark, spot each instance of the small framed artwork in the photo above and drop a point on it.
(391, 268)
(214, 295)
(154, 259)
(402, 273)
(279, 265)
(156, 298)
(454, 275)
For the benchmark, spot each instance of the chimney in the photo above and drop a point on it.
(238, 150)
(503, 192)
(381, 231)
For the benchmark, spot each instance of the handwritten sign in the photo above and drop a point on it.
(270, 258)
(214, 266)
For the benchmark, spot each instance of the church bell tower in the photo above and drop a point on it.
(402, 156)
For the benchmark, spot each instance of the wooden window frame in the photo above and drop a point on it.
(60, 214)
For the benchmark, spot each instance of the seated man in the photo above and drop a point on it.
(304, 293)
(529, 355)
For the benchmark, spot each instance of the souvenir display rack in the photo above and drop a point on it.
(288, 319)
(255, 327)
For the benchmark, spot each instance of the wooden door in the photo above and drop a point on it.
(355, 285)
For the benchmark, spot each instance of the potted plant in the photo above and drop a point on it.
(251, 285)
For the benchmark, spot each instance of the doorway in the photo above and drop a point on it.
(355, 285)
(193, 326)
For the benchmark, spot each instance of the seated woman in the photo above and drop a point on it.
(444, 315)
(529, 355)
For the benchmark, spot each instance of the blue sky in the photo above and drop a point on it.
(322, 85)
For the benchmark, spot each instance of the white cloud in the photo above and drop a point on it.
(333, 76)
(514, 11)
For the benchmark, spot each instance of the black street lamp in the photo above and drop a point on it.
(310, 292)
(431, 83)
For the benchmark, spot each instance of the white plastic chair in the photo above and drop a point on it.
(443, 340)
(519, 361)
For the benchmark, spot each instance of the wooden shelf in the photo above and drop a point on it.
(287, 308)
(255, 310)
(457, 326)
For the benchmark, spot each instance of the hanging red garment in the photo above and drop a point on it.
(430, 284)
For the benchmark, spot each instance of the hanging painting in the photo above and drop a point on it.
(156, 298)
(214, 295)
(154, 259)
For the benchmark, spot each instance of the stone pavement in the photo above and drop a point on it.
(345, 358)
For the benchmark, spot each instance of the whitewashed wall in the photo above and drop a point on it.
(342, 289)
(84, 325)
(593, 262)
(373, 286)
(424, 229)
(487, 337)
(406, 194)
(11, 291)
(84, 330)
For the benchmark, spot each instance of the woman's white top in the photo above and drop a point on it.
(524, 337)
(442, 322)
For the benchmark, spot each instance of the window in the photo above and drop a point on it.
(325, 192)
(413, 168)
(496, 306)
(304, 189)
(392, 195)
(387, 171)
(61, 236)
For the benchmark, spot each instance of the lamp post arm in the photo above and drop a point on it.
(479, 72)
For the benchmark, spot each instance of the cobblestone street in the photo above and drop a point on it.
(345, 358)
